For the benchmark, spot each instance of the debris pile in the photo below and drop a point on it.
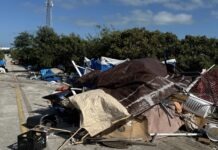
(50, 75)
(135, 102)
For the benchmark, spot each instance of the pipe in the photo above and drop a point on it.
(175, 134)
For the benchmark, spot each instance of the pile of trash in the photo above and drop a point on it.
(50, 75)
(135, 102)
(58, 74)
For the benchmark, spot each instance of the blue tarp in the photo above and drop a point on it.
(2, 62)
(96, 65)
(48, 75)
(103, 63)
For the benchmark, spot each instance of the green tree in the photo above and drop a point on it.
(23, 47)
(46, 46)
(48, 49)
(1, 55)
(71, 46)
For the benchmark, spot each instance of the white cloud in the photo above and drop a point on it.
(139, 17)
(169, 18)
(70, 4)
(214, 13)
(174, 4)
(184, 5)
(142, 2)
(135, 17)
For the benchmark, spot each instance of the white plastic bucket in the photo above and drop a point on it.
(212, 132)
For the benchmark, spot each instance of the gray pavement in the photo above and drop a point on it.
(29, 93)
(9, 122)
(13, 90)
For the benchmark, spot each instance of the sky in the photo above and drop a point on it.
(181, 17)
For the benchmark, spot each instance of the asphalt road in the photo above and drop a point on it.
(21, 97)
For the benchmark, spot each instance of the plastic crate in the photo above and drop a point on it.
(32, 140)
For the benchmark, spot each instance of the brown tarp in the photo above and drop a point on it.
(159, 122)
(155, 120)
(137, 84)
(134, 71)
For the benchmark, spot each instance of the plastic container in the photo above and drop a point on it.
(212, 132)
(198, 106)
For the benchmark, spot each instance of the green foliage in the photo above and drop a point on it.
(197, 52)
(48, 49)
(24, 45)
(1, 55)
(46, 46)
(71, 46)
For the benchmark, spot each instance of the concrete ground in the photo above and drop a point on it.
(20, 97)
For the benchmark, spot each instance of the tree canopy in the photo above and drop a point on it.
(1, 55)
(48, 49)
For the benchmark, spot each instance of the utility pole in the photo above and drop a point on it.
(49, 4)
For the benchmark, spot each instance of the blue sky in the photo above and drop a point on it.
(181, 17)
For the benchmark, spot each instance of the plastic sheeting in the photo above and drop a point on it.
(104, 63)
(48, 75)
(2, 63)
